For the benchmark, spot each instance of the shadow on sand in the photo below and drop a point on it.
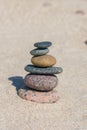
(18, 82)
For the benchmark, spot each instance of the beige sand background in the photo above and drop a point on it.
(24, 22)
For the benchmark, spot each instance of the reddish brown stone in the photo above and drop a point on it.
(41, 82)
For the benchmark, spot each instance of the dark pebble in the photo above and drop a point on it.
(86, 42)
(44, 44)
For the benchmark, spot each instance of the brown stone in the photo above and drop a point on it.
(43, 61)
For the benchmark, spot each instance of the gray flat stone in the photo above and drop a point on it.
(38, 70)
(39, 52)
(44, 44)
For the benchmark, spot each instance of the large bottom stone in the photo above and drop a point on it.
(37, 96)
(41, 82)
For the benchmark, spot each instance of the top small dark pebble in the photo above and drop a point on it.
(44, 44)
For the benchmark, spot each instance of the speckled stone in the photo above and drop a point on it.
(43, 61)
(39, 52)
(39, 70)
(39, 97)
(41, 82)
(44, 44)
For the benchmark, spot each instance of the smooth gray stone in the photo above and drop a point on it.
(44, 44)
(38, 70)
(39, 52)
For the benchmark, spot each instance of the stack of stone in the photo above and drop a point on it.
(41, 80)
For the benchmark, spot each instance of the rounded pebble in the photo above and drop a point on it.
(39, 70)
(43, 61)
(39, 97)
(39, 52)
(41, 82)
(44, 44)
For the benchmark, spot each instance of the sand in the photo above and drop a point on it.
(23, 23)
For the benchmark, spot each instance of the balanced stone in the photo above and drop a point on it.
(41, 82)
(39, 97)
(43, 61)
(44, 44)
(39, 52)
(39, 70)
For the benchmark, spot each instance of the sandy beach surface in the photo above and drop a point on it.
(23, 23)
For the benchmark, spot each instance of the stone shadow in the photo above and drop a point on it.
(18, 82)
